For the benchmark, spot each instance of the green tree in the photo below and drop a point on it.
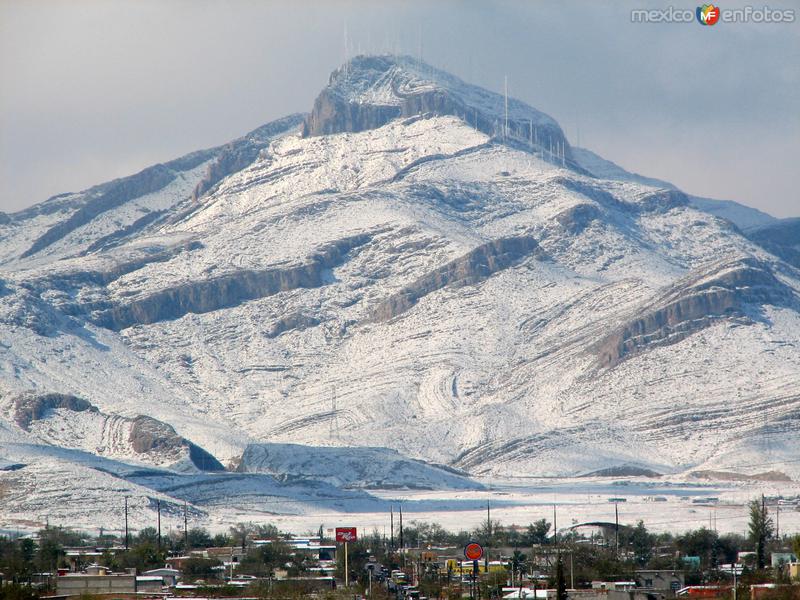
(199, 538)
(199, 568)
(142, 557)
(760, 529)
(518, 564)
(796, 545)
(148, 534)
(699, 542)
(15, 591)
(642, 544)
(537, 532)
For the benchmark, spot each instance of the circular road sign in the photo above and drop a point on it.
(473, 551)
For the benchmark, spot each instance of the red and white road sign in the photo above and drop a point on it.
(473, 551)
(346, 534)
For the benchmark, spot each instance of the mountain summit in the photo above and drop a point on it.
(399, 271)
(370, 91)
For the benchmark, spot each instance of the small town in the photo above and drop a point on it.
(421, 560)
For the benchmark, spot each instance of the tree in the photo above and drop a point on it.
(537, 532)
(796, 545)
(148, 534)
(699, 542)
(518, 565)
(642, 543)
(199, 568)
(199, 538)
(760, 529)
(142, 556)
(241, 532)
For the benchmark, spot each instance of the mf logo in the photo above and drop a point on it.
(708, 14)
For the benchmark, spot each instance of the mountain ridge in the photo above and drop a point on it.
(392, 275)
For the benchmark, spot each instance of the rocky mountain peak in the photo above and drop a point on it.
(369, 91)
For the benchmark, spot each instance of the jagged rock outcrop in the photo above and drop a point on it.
(370, 91)
(32, 407)
(151, 435)
(228, 290)
(476, 265)
(115, 237)
(147, 436)
(728, 291)
(290, 322)
(240, 153)
(577, 218)
(111, 195)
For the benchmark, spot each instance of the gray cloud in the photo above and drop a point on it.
(91, 90)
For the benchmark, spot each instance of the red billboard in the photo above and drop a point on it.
(346, 534)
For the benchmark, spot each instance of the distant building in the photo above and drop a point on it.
(659, 580)
(81, 584)
(169, 577)
(613, 585)
(782, 558)
(149, 583)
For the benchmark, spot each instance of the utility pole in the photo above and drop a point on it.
(420, 62)
(345, 49)
(530, 133)
(126, 523)
(571, 571)
(158, 508)
(391, 527)
(346, 567)
(488, 523)
(555, 527)
(488, 537)
(185, 530)
(616, 527)
(402, 545)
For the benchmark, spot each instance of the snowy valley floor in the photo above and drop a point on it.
(523, 501)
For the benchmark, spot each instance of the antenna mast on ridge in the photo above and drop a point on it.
(419, 59)
(505, 123)
(345, 49)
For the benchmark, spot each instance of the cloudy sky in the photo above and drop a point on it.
(91, 90)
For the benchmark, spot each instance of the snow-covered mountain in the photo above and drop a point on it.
(407, 269)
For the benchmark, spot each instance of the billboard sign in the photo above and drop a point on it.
(346, 534)
(473, 551)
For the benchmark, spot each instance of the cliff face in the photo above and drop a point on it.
(154, 440)
(371, 91)
(732, 291)
(32, 407)
(240, 153)
(473, 267)
(229, 290)
(151, 435)
(114, 194)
